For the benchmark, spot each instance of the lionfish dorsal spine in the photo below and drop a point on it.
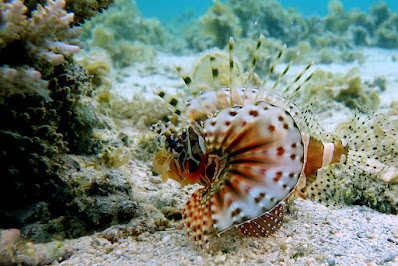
(261, 91)
(252, 65)
(285, 70)
(174, 105)
(293, 94)
(188, 82)
(234, 97)
(216, 83)
(231, 45)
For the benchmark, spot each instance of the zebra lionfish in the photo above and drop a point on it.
(249, 147)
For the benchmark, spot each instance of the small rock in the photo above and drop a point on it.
(254, 245)
(199, 259)
(166, 239)
(370, 235)
(151, 188)
(386, 258)
(250, 255)
(333, 230)
(143, 237)
(332, 262)
(118, 253)
(361, 234)
(283, 247)
(220, 259)
(7, 240)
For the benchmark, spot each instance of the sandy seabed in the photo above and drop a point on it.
(312, 234)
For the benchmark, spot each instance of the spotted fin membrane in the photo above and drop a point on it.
(249, 146)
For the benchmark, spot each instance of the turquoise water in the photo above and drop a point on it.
(166, 10)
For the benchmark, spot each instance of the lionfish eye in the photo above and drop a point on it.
(171, 143)
(192, 166)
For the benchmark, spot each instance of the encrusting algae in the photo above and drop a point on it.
(251, 148)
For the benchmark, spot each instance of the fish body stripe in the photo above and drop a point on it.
(320, 154)
(327, 156)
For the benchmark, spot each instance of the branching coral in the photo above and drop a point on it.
(12, 22)
(340, 29)
(44, 36)
(48, 35)
(21, 80)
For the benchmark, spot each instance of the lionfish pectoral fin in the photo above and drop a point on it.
(164, 177)
(322, 188)
(301, 194)
(197, 218)
(184, 182)
(265, 225)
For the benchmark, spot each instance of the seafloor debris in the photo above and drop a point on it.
(16, 251)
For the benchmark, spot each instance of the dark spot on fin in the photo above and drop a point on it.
(322, 188)
(161, 94)
(215, 72)
(187, 80)
(173, 101)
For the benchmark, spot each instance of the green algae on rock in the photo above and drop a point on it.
(347, 88)
(124, 34)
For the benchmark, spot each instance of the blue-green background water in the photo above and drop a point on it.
(167, 10)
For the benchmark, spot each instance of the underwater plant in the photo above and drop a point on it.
(252, 149)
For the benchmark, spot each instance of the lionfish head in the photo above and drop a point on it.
(182, 156)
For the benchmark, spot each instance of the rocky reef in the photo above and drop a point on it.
(64, 168)
(125, 35)
(331, 38)
(50, 117)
